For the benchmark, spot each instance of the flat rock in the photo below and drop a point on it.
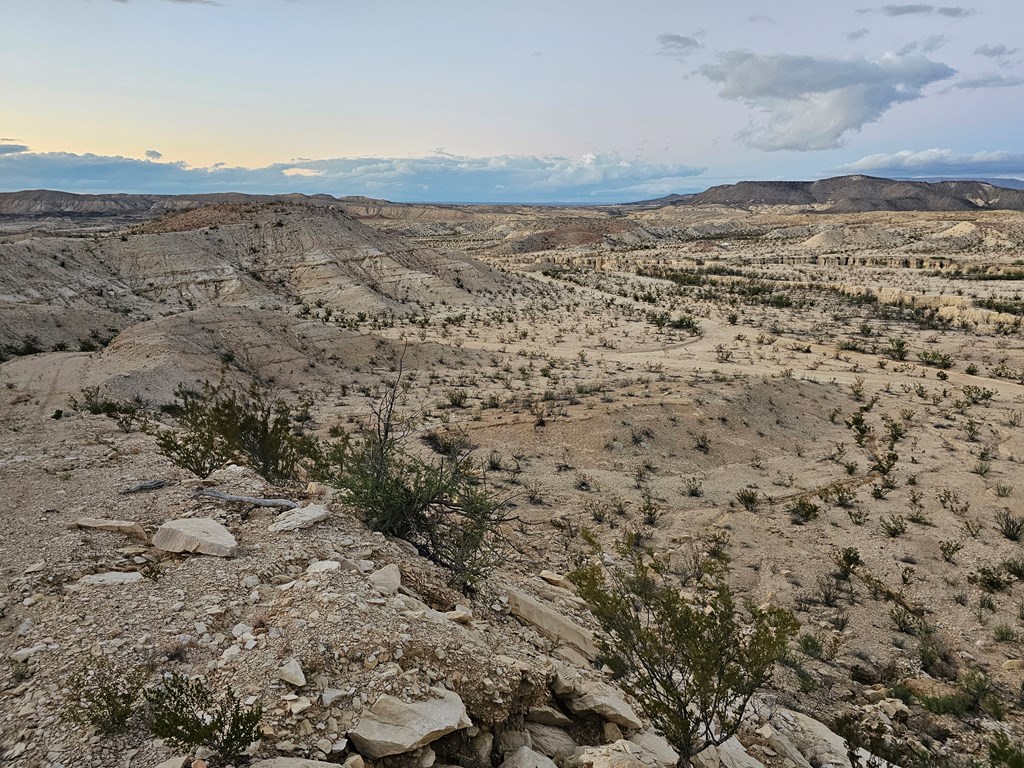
(195, 534)
(524, 757)
(392, 726)
(291, 672)
(292, 762)
(550, 622)
(621, 754)
(175, 762)
(302, 517)
(109, 579)
(731, 754)
(602, 699)
(387, 580)
(657, 747)
(114, 526)
(551, 740)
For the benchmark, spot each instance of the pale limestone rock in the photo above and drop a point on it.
(556, 579)
(114, 526)
(323, 566)
(291, 672)
(387, 580)
(548, 715)
(524, 757)
(621, 754)
(109, 579)
(195, 534)
(606, 701)
(175, 762)
(657, 747)
(815, 741)
(392, 726)
(551, 740)
(1012, 665)
(551, 623)
(292, 762)
(301, 517)
(731, 754)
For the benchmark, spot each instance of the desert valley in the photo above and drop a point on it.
(812, 393)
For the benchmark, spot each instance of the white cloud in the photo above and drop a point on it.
(811, 102)
(995, 51)
(992, 80)
(940, 162)
(677, 46)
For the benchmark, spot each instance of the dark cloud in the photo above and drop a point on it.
(922, 9)
(593, 177)
(811, 102)
(995, 51)
(677, 46)
(857, 34)
(940, 162)
(928, 45)
(988, 81)
(11, 149)
(152, 154)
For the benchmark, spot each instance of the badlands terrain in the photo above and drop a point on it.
(826, 396)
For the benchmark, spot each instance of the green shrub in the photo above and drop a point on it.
(183, 713)
(749, 499)
(103, 695)
(803, 511)
(1002, 753)
(1010, 525)
(692, 665)
(218, 425)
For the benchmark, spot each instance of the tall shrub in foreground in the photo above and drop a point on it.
(692, 664)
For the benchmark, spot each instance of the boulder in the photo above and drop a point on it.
(195, 534)
(731, 754)
(301, 517)
(292, 762)
(816, 742)
(551, 740)
(551, 623)
(602, 699)
(621, 754)
(657, 747)
(524, 757)
(392, 726)
(548, 715)
(114, 526)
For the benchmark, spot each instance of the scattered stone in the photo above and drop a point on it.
(175, 762)
(195, 534)
(392, 726)
(387, 580)
(524, 757)
(114, 526)
(323, 566)
(24, 654)
(109, 579)
(291, 673)
(303, 517)
(293, 762)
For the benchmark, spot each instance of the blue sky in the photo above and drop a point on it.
(455, 100)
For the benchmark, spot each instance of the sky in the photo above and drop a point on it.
(586, 101)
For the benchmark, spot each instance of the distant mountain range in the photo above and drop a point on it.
(858, 194)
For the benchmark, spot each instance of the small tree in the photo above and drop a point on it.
(692, 665)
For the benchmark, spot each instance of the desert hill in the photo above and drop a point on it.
(857, 194)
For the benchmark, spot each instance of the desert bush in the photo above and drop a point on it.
(941, 360)
(1003, 753)
(184, 713)
(749, 499)
(949, 549)
(990, 579)
(441, 506)
(1010, 525)
(217, 425)
(893, 526)
(803, 511)
(103, 695)
(692, 665)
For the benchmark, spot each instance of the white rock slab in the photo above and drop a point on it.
(195, 534)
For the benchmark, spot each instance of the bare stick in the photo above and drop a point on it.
(256, 502)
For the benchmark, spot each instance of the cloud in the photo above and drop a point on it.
(940, 162)
(677, 46)
(992, 80)
(811, 102)
(922, 9)
(11, 149)
(152, 154)
(594, 177)
(857, 34)
(995, 51)
(928, 45)
(183, 2)
(761, 19)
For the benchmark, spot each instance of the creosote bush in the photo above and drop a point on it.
(692, 665)
(184, 713)
(103, 695)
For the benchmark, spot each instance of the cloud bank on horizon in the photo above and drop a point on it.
(568, 102)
